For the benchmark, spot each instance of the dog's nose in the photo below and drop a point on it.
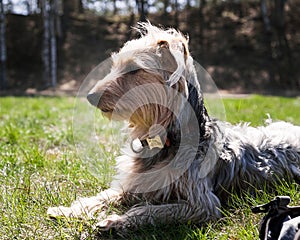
(94, 98)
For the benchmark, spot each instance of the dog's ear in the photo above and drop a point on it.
(164, 47)
(172, 57)
(167, 61)
(181, 47)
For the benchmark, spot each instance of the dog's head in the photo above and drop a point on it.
(150, 81)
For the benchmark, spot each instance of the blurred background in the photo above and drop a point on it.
(248, 46)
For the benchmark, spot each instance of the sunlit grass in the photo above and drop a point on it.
(45, 161)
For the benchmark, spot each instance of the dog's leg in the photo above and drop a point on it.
(160, 214)
(86, 207)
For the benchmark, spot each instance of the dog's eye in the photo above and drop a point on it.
(105, 110)
(134, 71)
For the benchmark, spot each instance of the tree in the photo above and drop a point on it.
(202, 25)
(277, 42)
(141, 5)
(265, 17)
(53, 46)
(3, 79)
(176, 6)
(115, 11)
(46, 37)
(166, 5)
(49, 52)
(188, 4)
(285, 52)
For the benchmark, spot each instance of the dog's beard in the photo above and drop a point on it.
(142, 118)
(147, 116)
(144, 105)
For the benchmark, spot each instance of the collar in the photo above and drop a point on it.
(156, 142)
(153, 142)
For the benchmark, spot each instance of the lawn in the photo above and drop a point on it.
(47, 159)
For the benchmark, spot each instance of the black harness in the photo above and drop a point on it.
(281, 221)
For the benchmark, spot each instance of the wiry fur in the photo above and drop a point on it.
(189, 178)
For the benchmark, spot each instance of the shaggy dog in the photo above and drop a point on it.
(181, 165)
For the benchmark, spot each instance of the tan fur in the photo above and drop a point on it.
(153, 85)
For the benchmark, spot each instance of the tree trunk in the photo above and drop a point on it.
(49, 52)
(166, 5)
(3, 78)
(188, 4)
(58, 16)
(271, 62)
(202, 26)
(115, 11)
(80, 7)
(53, 55)
(280, 27)
(141, 4)
(284, 47)
(165, 15)
(176, 13)
(46, 37)
(265, 17)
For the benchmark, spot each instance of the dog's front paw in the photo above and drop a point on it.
(111, 222)
(59, 212)
(83, 207)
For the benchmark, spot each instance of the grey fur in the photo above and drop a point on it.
(189, 179)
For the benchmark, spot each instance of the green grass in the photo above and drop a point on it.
(46, 160)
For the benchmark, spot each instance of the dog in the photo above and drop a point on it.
(181, 164)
